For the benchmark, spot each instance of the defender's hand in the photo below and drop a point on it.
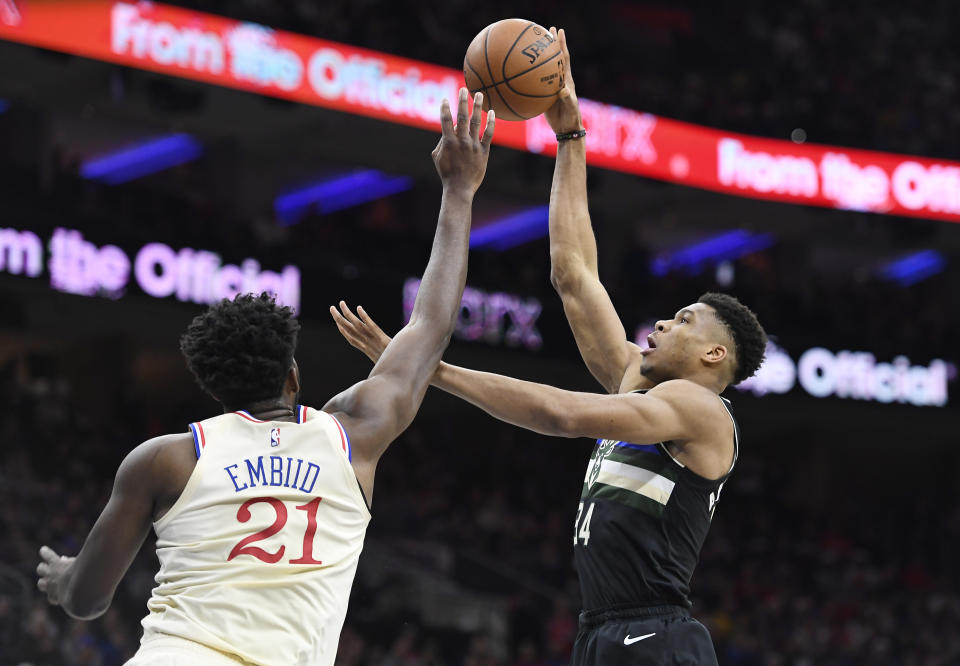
(564, 115)
(360, 331)
(461, 156)
(51, 571)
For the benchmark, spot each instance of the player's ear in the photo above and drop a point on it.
(292, 383)
(715, 355)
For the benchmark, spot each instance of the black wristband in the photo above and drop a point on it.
(576, 134)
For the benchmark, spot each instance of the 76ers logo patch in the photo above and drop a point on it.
(275, 437)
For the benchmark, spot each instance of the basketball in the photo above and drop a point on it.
(517, 65)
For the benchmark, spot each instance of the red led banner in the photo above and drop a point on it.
(255, 58)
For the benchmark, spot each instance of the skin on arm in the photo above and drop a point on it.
(596, 326)
(84, 585)
(684, 413)
(376, 410)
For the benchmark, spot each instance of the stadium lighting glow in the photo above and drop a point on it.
(142, 159)
(914, 268)
(727, 246)
(338, 193)
(513, 230)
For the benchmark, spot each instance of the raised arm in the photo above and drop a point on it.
(596, 326)
(379, 408)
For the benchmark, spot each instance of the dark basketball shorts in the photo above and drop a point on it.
(643, 636)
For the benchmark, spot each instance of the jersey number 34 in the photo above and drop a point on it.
(582, 530)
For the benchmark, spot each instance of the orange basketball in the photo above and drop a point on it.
(518, 67)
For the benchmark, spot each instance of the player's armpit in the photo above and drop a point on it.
(116, 537)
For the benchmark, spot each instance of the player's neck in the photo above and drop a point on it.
(708, 380)
(267, 410)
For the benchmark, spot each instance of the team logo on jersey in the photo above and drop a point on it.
(275, 437)
(605, 447)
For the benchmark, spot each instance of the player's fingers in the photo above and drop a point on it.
(562, 36)
(462, 116)
(488, 133)
(348, 314)
(347, 331)
(475, 116)
(42, 584)
(338, 319)
(446, 120)
(47, 554)
(42, 569)
(368, 320)
(354, 341)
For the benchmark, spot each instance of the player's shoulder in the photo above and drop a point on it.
(160, 452)
(688, 397)
(682, 387)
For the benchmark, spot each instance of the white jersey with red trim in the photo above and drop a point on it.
(258, 554)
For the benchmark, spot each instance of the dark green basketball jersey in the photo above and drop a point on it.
(642, 521)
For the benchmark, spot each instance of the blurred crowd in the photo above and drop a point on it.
(836, 578)
(878, 75)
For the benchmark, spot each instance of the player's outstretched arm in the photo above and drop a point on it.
(675, 410)
(379, 408)
(596, 326)
(84, 585)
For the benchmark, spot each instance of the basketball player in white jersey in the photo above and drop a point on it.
(260, 512)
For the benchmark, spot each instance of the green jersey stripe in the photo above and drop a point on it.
(637, 480)
(604, 492)
(643, 460)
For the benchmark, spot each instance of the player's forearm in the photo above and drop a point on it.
(441, 288)
(572, 244)
(529, 405)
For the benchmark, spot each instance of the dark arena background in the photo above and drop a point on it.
(804, 156)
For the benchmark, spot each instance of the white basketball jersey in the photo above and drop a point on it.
(258, 554)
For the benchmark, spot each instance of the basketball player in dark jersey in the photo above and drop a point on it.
(666, 440)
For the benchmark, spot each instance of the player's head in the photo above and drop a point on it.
(241, 350)
(718, 334)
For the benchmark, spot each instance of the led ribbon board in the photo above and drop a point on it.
(78, 266)
(852, 375)
(250, 57)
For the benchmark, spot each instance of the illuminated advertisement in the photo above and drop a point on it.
(255, 58)
(495, 318)
(854, 375)
(77, 266)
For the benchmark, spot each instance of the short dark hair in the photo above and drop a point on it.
(241, 350)
(748, 335)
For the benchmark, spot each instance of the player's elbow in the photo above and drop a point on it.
(563, 421)
(565, 271)
(433, 328)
